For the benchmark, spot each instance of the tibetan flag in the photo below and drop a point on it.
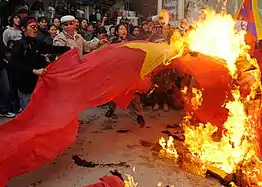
(247, 19)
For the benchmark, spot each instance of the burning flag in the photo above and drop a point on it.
(237, 149)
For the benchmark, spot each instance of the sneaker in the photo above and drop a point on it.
(140, 120)
(156, 107)
(109, 113)
(166, 108)
(19, 110)
(8, 115)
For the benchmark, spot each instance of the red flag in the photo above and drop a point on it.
(49, 124)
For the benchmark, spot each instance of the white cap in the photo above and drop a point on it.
(67, 18)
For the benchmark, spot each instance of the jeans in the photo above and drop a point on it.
(15, 101)
(5, 97)
(24, 99)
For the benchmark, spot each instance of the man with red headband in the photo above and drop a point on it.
(70, 38)
(27, 60)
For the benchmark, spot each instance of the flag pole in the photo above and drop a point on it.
(237, 13)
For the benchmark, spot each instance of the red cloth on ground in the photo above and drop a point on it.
(108, 181)
(49, 124)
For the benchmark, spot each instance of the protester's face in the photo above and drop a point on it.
(69, 26)
(31, 30)
(43, 23)
(113, 31)
(77, 23)
(84, 24)
(102, 36)
(150, 28)
(154, 30)
(165, 30)
(57, 22)
(16, 21)
(122, 31)
(52, 31)
(145, 27)
(136, 32)
(23, 15)
(90, 28)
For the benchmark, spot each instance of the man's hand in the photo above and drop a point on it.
(39, 71)
(103, 41)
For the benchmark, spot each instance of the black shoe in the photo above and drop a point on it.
(140, 120)
(109, 113)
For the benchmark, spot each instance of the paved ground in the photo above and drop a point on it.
(98, 141)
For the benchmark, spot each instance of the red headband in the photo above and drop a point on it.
(30, 21)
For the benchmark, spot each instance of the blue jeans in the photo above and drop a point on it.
(5, 96)
(24, 99)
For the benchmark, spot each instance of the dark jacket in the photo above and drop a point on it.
(27, 55)
(2, 55)
(43, 34)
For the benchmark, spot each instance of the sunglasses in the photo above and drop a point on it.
(69, 23)
(34, 26)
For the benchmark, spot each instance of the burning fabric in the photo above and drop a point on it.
(236, 151)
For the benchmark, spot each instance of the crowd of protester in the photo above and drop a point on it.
(30, 43)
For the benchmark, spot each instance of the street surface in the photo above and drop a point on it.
(114, 144)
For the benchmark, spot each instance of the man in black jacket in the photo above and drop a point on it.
(28, 61)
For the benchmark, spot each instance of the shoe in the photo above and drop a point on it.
(166, 108)
(8, 115)
(19, 110)
(140, 120)
(156, 107)
(109, 113)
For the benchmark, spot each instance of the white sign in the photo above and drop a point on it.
(172, 8)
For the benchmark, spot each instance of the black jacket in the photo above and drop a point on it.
(27, 54)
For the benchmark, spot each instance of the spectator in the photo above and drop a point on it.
(83, 30)
(13, 32)
(122, 33)
(93, 18)
(27, 60)
(38, 9)
(112, 33)
(57, 23)
(10, 36)
(77, 25)
(69, 37)
(101, 35)
(23, 13)
(5, 99)
(144, 33)
(98, 16)
(90, 32)
(52, 31)
(5, 10)
(43, 30)
(136, 33)
(51, 11)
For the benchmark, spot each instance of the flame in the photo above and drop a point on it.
(196, 99)
(130, 182)
(169, 146)
(216, 36)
